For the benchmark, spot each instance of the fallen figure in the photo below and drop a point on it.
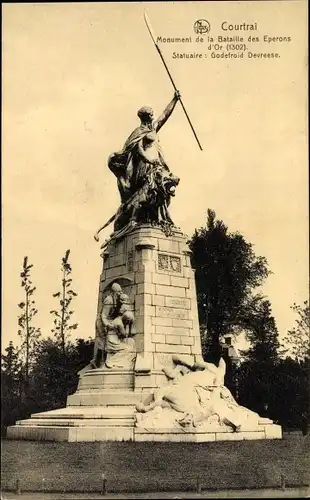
(196, 391)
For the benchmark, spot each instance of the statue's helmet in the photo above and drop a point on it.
(144, 112)
(116, 288)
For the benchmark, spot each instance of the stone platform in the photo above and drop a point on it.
(116, 423)
(94, 413)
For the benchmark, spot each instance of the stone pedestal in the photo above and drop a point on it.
(155, 272)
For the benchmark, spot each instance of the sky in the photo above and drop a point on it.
(74, 76)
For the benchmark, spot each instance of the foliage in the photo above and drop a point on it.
(282, 386)
(29, 334)
(298, 338)
(227, 272)
(62, 317)
(256, 375)
(56, 375)
(11, 370)
(10, 363)
(53, 377)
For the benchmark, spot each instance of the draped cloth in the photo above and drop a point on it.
(126, 164)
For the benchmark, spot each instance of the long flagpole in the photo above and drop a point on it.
(147, 22)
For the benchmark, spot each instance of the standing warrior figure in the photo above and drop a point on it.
(144, 180)
(142, 144)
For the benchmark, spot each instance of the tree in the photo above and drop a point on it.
(54, 379)
(227, 272)
(62, 317)
(10, 385)
(10, 363)
(29, 334)
(54, 376)
(257, 375)
(298, 338)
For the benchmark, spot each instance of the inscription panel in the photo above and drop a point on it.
(171, 312)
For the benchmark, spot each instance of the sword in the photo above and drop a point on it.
(147, 22)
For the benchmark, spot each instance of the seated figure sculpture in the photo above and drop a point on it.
(197, 392)
(114, 334)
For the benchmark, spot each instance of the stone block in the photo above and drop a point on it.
(187, 340)
(196, 347)
(173, 349)
(190, 293)
(183, 323)
(102, 279)
(38, 433)
(116, 272)
(143, 277)
(145, 381)
(161, 279)
(239, 436)
(102, 434)
(139, 342)
(204, 437)
(117, 260)
(170, 291)
(149, 311)
(146, 288)
(180, 282)
(188, 272)
(143, 299)
(158, 300)
(143, 364)
(172, 330)
(161, 360)
(103, 397)
(147, 254)
(171, 312)
(273, 431)
(95, 379)
(188, 261)
(168, 245)
(172, 435)
(139, 323)
(118, 247)
(162, 321)
(158, 338)
(178, 302)
(173, 339)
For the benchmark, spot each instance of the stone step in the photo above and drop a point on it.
(87, 412)
(70, 434)
(130, 433)
(105, 398)
(110, 379)
(85, 422)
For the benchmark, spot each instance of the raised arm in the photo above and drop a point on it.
(167, 112)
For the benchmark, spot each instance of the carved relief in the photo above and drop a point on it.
(163, 262)
(169, 263)
(130, 260)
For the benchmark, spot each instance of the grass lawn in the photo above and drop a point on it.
(138, 467)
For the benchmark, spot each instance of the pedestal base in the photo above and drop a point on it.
(117, 423)
(97, 414)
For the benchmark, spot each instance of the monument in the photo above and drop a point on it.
(147, 380)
